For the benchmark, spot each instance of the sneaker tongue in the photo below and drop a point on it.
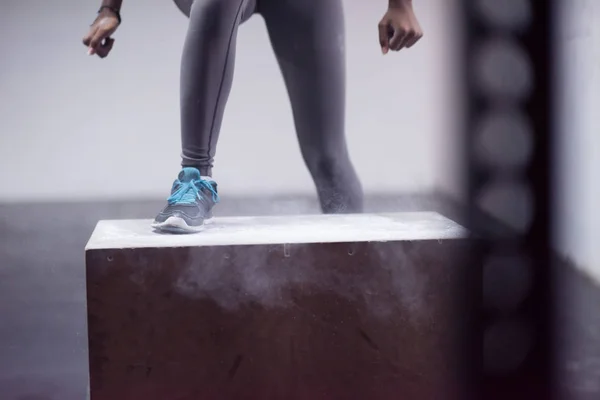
(189, 174)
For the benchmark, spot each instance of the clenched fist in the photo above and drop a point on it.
(399, 27)
(98, 40)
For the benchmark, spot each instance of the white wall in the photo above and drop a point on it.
(578, 147)
(76, 127)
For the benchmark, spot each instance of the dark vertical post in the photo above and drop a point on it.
(509, 75)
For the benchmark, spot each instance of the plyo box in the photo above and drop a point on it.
(316, 307)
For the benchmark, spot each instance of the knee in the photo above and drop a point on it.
(326, 164)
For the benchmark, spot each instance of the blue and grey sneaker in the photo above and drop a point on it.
(190, 205)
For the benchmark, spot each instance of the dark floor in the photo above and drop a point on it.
(43, 343)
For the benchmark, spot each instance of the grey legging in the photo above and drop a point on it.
(308, 39)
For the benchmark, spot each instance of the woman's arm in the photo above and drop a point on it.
(115, 4)
(400, 2)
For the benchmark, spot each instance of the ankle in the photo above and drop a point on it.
(205, 172)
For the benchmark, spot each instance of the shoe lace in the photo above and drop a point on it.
(188, 192)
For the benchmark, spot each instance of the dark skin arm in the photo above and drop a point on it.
(399, 27)
(116, 4)
(98, 38)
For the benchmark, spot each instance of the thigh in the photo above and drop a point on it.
(308, 39)
(305, 31)
(249, 7)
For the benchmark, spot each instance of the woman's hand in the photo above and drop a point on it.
(98, 39)
(399, 27)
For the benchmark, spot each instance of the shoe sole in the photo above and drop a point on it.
(178, 225)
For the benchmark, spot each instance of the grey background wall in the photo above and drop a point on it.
(578, 146)
(81, 128)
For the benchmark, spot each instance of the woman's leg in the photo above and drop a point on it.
(206, 78)
(309, 42)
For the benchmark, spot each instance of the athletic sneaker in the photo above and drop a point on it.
(189, 206)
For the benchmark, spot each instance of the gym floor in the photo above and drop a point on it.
(43, 337)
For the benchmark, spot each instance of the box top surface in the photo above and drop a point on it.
(408, 226)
